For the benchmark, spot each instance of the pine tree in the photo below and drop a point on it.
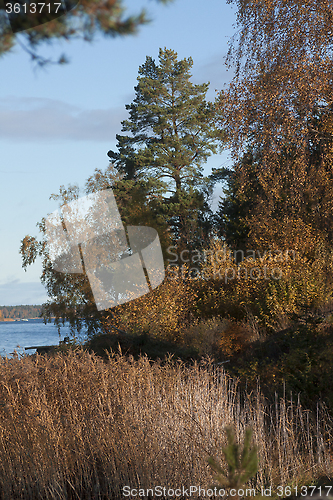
(242, 464)
(172, 132)
(156, 177)
(241, 193)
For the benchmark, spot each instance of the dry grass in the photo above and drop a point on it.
(74, 427)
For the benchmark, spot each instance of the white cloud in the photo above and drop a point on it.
(40, 119)
(216, 72)
(16, 293)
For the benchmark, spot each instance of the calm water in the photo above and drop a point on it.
(28, 333)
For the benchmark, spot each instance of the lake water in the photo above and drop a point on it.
(19, 334)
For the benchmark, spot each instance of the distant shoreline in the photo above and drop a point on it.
(8, 313)
(18, 319)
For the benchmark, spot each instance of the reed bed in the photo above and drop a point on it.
(75, 427)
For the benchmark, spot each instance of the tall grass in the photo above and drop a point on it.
(75, 427)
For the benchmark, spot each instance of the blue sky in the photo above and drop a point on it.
(57, 123)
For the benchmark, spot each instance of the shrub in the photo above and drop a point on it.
(251, 288)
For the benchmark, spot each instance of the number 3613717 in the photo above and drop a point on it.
(303, 491)
(32, 8)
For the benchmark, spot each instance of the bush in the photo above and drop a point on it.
(251, 288)
(137, 345)
(162, 313)
(298, 359)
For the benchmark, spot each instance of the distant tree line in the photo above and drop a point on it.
(20, 312)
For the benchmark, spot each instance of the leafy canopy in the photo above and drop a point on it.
(283, 58)
(278, 111)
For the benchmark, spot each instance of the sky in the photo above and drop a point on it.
(57, 123)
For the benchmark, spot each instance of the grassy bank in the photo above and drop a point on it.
(75, 427)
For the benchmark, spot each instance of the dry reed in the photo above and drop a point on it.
(75, 427)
